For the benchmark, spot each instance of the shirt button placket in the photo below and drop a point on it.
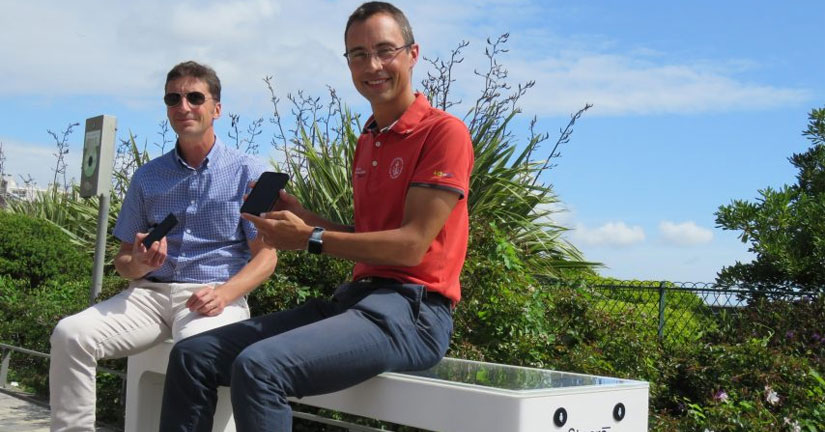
(373, 180)
(375, 161)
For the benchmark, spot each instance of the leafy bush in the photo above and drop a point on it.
(509, 317)
(34, 314)
(45, 278)
(812, 418)
(792, 326)
(743, 386)
(34, 250)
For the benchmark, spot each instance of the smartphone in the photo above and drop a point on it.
(265, 193)
(160, 230)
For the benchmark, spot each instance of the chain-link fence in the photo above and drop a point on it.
(676, 310)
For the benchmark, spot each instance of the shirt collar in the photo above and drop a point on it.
(214, 154)
(407, 122)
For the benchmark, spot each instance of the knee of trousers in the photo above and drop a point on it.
(186, 354)
(72, 336)
(258, 369)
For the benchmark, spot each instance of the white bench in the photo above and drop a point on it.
(145, 374)
(454, 396)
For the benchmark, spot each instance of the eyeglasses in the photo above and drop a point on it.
(384, 55)
(194, 98)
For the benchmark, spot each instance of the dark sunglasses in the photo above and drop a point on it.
(194, 98)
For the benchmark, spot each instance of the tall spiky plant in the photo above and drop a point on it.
(62, 144)
(506, 188)
(318, 154)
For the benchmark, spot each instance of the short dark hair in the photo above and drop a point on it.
(199, 71)
(369, 9)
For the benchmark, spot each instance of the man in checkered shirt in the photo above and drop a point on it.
(194, 279)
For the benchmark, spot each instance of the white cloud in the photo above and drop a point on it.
(38, 161)
(634, 84)
(651, 261)
(561, 213)
(685, 233)
(124, 50)
(609, 234)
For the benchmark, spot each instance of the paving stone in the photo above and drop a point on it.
(20, 415)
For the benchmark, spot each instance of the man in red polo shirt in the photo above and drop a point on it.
(410, 178)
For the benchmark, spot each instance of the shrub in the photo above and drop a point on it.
(34, 250)
(792, 326)
(748, 385)
(298, 277)
(813, 416)
(509, 317)
(34, 314)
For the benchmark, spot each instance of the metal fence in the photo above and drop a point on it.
(675, 309)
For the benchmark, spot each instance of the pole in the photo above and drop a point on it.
(661, 331)
(4, 369)
(100, 246)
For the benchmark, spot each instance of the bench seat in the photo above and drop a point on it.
(454, 396)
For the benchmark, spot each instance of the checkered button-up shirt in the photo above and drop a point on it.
(209, 243)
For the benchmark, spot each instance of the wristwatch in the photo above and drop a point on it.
(316, 244)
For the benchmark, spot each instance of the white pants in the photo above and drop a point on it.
(134, 320)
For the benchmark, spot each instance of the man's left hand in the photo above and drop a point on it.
(206, 301)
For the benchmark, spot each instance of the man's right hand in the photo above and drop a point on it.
(134, 261)
(152, 258)
(285, 201)
(288, 202)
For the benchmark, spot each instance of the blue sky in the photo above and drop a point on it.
(695, 103)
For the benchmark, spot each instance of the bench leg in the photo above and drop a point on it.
(144, 393)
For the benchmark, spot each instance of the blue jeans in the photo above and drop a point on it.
(319, 347)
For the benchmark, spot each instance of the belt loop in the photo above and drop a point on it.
(439, 298)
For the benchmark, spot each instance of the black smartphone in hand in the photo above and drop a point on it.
(265, 193)
(160, 230)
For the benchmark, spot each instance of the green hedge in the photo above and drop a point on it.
(34, 250)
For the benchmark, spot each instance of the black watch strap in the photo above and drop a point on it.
(315, 244)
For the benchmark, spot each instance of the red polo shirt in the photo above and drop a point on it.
(426, 147)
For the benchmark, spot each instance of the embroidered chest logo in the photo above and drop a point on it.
(360, 172)
(396, 167)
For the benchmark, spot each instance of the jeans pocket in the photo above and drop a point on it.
(414, 294)
(350, 293)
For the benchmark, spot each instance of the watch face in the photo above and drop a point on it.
(316, 243)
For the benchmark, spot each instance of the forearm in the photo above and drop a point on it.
(254, 273)
(313, 219)
(400, 247)
(426, 212)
